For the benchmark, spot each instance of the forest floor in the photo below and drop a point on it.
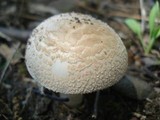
(17, 100)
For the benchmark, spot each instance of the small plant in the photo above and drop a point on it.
(154, 29)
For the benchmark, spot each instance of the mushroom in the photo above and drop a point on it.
(74, 54)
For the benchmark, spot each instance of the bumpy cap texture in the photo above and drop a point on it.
(74, 53)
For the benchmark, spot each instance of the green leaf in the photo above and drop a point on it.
(134, 26)
(158, 33)
(152, 16)
(154, 32)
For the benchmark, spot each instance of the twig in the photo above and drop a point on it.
(113, 14)
(27, 97)
(13, 32)
(94, 115)
(52, 97)
(138, 115)
(5, 37)
(4, 116)
(8, 63)
(40, 8)
(143, 15)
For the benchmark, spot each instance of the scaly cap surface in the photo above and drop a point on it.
(74, 53)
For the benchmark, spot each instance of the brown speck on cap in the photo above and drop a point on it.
(87, 58)
(76, 18)
(86, 22)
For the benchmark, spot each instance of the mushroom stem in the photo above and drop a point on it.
(75, 100)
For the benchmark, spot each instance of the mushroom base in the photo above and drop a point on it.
(75, 100)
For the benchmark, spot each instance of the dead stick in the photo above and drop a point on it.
(8, 63)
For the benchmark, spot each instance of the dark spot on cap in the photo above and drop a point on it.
(74, 27)
(78, 21)
(76, 18)
(86, 22)
(105, 53)
(34, 32)
(84, 19)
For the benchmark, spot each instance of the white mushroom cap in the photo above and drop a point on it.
(73, 53)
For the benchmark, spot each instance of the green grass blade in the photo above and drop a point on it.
(152, 16)
(134, 26)
(158, 33)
